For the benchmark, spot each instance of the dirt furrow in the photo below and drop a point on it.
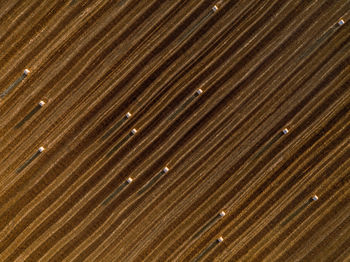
(152, 244)
(262, 66)
(255, 193)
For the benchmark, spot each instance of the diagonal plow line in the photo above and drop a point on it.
(119, 145)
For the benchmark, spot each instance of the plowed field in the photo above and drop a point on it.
(209, 86)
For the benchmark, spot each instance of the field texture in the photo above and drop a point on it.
(159, 115)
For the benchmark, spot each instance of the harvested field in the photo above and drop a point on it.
(210, 87)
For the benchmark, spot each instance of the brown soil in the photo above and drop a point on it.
(262, 66)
